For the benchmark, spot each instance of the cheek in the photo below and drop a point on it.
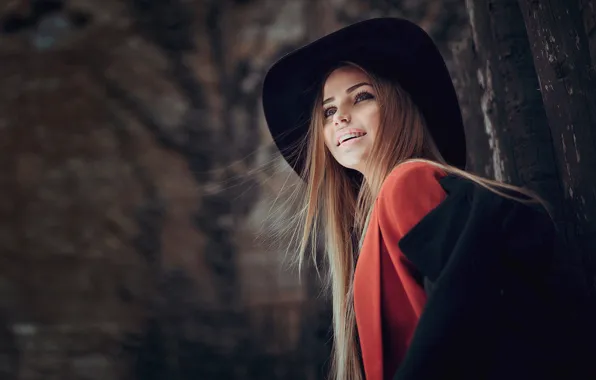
(329, 137)
(376, 121)
(373, 120)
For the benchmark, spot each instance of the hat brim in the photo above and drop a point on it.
(390, 47)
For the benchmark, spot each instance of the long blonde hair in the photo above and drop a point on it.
(336, 205)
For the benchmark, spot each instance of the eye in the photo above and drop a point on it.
(329, 111)
(363, 95)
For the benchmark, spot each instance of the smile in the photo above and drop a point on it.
(350, 137)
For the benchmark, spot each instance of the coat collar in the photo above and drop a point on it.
(467, 207)
(429, 243)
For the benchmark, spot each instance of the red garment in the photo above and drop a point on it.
(388, 300)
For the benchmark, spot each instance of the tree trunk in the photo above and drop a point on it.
(480, 159)
(588, 11)
(561, 54)
(512, 109)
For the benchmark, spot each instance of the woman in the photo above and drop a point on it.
(422, 255)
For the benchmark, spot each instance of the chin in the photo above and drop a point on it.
(353, 164)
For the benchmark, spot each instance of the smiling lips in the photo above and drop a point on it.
(348, 134)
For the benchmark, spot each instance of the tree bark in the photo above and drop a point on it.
(588, 12)
(560, 50)
(479, 160)
(513, 114)
(503, 167)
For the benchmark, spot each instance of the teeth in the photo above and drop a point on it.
(349, 136)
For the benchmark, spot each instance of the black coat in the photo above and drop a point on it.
(499, 308)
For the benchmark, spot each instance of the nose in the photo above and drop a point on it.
(341, 118)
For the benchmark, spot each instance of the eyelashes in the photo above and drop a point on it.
(326, 111)
(359, 97)
(363, 95)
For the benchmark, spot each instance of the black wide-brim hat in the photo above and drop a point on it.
(392, 48)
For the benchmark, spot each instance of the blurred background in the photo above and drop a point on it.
(138, 176)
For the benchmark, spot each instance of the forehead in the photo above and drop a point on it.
(342, 78)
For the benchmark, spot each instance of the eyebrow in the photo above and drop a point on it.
(349, 90)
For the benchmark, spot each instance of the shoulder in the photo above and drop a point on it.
(412, 177)
(408, 194)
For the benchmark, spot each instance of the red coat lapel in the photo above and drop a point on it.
(367, 302)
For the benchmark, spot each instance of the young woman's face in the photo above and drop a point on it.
(351, 116)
